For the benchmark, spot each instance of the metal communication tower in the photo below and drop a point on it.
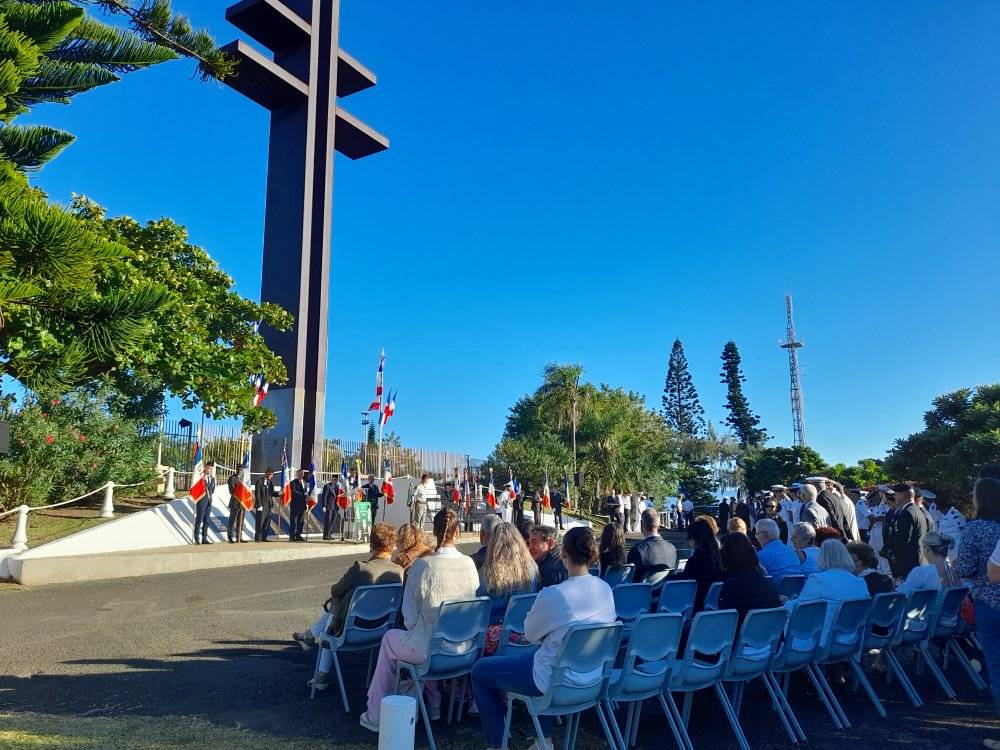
(792, 344)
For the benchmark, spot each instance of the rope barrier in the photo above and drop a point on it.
(33, 508)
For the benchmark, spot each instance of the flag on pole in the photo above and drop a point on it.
(387, 488)
(244, 492)
(286, 486)
(376, 404)
(311, 502)
(491, 493)
(390, 407)
(260, 387)
(198, 488)
(546, 494)
(342, 500)
(360, 494)
(456, 492)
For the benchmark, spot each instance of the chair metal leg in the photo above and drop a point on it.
(319, 651)
(451, 700)
(778, 708)
(506, 724)
(720, 692)
(635, 723)
(462, 682)
(671, 721)
(817, 683)
(936, 671)
(682, 733)
(688, 700)
(960, 656)
(368, 676)
(340, 681)
(604, 725)
(738, 697)
(862, 679)
(424, 715)
(821, 676)
(896, 668)
(535, 722)
(619, 739)
(780, 695)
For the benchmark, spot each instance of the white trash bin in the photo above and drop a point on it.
(397, 723)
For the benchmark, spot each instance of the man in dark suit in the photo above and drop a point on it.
(653, 553)
(203, 508)
(328, 502)
(557, 506)
(373, 491)
(724, 513)
(263, 505)
(907, 526)
(297, 512)
(742, 510)
(237, 513)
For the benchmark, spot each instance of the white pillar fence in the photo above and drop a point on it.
(19, 540)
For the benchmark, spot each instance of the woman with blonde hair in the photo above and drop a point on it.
(411, 544)
(737, 525)
(508, 570)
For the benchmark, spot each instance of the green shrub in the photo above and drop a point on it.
(63, 447)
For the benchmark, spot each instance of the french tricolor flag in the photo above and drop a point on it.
(244, 493)
(376, 404)
(198, 488)
(260, 387)
(390, 408)
(286, 486)
(491, 493)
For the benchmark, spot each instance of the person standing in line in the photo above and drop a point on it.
(203, 508)
(557, 506)
(328, 502)
(861, 512)
(812, 512)
(263, 505)
(297, 508)
(373, 491)
(635, 511)
(237, 513)
(742, 510)
(724, 513)
(908, 527)
(418, 506)
(611, 506)
(536, 507)
(625, 507)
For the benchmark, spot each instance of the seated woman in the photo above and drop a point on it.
(508, 570)
(737, 526)
(747, 587)
(376, 570)
(581, 598)
(803, 538)
(411, 545)
(829, 532)
(835, 583)
(937, 573)
(612, 550)
(712, 523)
(705, 564)
(446, 575)
(866, 568)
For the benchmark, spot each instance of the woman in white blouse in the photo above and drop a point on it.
(937, 573)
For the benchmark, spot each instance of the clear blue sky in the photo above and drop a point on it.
(585, 181)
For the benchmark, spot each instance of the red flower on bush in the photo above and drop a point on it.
(49, 439)
(82, 437)
(54, 402)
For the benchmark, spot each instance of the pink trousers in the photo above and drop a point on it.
(384, 677)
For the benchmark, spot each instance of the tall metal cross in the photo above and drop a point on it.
(300, 87)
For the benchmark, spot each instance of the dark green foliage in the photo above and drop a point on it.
(743, 421)
(766, 467)
(682, 409)
(961, 434)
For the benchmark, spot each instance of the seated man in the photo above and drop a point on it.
(376, 570)
(779, 560)
(485, 532)
(654, 553)
(542, 546)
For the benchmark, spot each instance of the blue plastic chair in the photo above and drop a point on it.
(619, 574)
(883, 624)
(844, 646)
(654, 644)
(457, 643)
(678, 597)
(376, 607)
(631, 600)
(914, 632)
(513, 622)
(712, 597)
(711, 635)
(656, 579)
(586, 648)
(791, 586)
(753, 650)
(948, 627)
(803, 638)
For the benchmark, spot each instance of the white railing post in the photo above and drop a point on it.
(108, 509)
(169, 492)
(19, 542)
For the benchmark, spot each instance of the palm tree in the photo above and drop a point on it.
(559, 396)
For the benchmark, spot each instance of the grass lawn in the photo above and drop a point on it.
(49, 525)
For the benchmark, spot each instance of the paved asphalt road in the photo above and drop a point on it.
(215, 644)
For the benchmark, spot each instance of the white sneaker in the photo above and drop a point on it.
(367, 723)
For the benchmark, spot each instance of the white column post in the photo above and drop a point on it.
(108, 509)
(19, 542)
(397, 723)
(169, 492)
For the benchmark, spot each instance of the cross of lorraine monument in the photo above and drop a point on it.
(300, 87)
